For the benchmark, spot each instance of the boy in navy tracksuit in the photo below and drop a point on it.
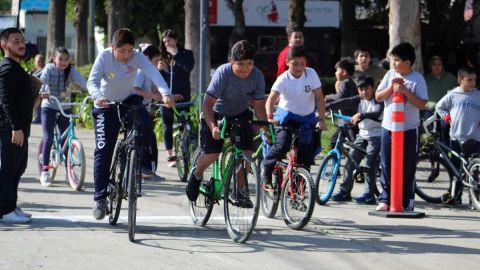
(112, 79)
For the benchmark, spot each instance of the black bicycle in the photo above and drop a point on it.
(184, 141)
(126, 171)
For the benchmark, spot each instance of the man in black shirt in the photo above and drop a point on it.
(16, 106)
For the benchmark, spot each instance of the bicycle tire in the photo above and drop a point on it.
(432, 178)
(474, 190)
(271, 199)
(182, 166)
(201, 209)
(76, 165)
(326, 178)
(115, 190)
(225, 156)
(240, 216)
(302, 189)
(52, 169)
(133, 176)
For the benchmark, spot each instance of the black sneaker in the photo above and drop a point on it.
(267, 181)
(366, 199)
(342, 196)
(100, 209)
(193, 186)
(244, 199)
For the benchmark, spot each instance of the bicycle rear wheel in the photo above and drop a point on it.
(432, 178)
(115, 190)
(474, 181)
(242, 199)
(76, 165)
(182, 166)
(133, 177)
(271, 198)
(201, 209)
(326, 178)
(298, 199)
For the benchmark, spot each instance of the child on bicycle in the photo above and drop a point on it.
(368, 119)
(56, 77)
(298, 92)
(112, 79)
(411, 84)
(229, 94)
(461, 109)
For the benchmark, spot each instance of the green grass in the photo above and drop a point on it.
(326, 135)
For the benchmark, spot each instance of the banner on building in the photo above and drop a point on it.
(270, 13)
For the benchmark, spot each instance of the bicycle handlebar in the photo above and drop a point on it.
(180, 105)
(223, 124)
(59, 104)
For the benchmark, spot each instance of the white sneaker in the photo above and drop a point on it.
(382, 207)
(20, 212)
(45, 179)
(13, 217)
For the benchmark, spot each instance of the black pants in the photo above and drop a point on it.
(13, 162)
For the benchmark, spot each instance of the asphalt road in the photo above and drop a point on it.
(64, 235)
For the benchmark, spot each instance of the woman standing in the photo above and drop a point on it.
(181, 65)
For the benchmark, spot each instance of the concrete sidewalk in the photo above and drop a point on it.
(64, 235)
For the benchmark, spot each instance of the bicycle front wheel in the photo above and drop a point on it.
(76, 165)
(133, 177)
(298, 199)
(432, 178)
(474, 182)
(326, 178)
(242, 199)
(115, 189)
(201, 209)
(271, 198)
(180, 162)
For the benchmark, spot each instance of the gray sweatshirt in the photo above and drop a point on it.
(464, 110)
(114, 81)
(54, 84)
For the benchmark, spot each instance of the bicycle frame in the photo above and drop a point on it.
(444, 152)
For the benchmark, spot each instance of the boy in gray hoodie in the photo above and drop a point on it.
(461, 108)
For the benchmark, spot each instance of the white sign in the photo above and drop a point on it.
(272, 13)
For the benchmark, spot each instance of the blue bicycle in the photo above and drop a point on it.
(329, 169)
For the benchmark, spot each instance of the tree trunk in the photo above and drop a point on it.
(296, 14)
(56, 25)
(238, 31)
(349, 39)
(81, 25)
(404, 26)
(192, 42)
(117, 16)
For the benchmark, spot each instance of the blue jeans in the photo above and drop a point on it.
(409, 166)
(372, 148)
(13, 162)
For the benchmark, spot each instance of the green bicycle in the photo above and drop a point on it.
(240, 183)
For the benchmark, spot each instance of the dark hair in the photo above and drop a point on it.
(364, 81)
(404, 51)
(464, 71)
(151, 51)
(5, 34)
(61, 50)
(360, 50)
(242, 50)
(297, 51)
(163, 50)
(346, 64)
(292, 30)
(123, 36)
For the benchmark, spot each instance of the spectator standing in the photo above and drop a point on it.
(16, 107)
(295, 38)
(364, 66)
(39, 62)
(181, 63)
